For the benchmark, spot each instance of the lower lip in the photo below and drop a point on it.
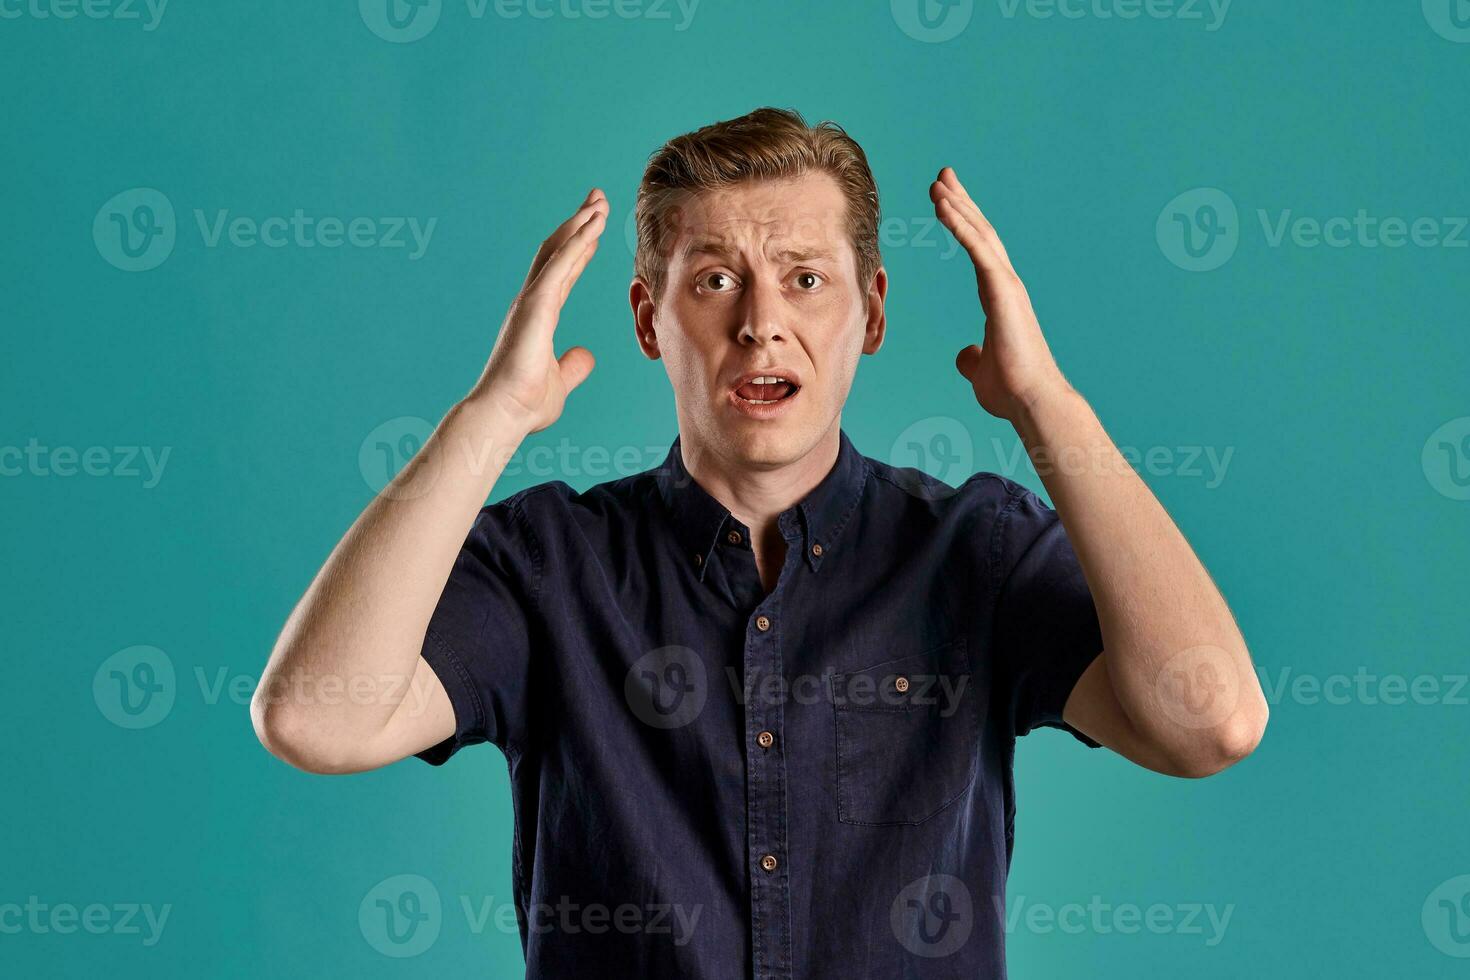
(769, 410)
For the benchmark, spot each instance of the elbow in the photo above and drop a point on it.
(1225, 744)
(294, 738)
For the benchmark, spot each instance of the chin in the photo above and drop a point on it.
(767, 442)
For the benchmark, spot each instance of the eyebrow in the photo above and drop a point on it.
(714, 246)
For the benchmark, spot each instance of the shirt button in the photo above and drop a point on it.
(901, 685)
(698, 559)
(762, 623)
(769, 862)
(817, 550)
(733, 537)
(766, 739)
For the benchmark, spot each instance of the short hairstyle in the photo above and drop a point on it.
(765, 144)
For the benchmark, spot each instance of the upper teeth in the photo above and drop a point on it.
(766, 379)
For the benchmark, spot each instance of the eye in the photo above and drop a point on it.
(802, 277)
(717, 282)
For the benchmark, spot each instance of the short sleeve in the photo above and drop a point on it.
(1046, 627)
(479, 637)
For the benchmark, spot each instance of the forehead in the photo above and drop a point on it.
(806, 213)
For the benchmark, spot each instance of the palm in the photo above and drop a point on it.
(524, 377)
(1014, 363)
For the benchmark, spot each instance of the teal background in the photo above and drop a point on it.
(1324, 370)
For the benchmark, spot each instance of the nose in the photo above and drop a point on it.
(761, 312)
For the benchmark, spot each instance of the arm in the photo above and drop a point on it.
(345, 688)
(1175, 690)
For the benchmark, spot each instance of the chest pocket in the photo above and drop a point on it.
(907, 733)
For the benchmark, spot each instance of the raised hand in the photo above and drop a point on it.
(1013, 367)
(524, 378)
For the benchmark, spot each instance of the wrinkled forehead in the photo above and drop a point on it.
(802, 217)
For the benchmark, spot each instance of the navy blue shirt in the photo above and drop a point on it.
(712, 781)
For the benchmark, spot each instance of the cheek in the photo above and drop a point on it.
(844, 328)
(687, 359)
(837, 359)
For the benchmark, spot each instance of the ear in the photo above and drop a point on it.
(640, 297)
(877, 319)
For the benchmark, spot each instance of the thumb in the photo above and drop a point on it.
(575, 363)
(967, 362)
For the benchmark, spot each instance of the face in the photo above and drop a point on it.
(762, 318)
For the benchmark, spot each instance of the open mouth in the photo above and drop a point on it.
(766, 389)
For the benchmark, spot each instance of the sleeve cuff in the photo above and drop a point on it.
(468, 712)
(1078, 667)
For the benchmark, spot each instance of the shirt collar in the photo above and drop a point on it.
(699, 519)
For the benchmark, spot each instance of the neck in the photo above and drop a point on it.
(757, 490)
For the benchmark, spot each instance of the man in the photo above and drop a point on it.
(760, 704)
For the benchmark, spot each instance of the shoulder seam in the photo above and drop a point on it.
(1018, 493)
(537, 554)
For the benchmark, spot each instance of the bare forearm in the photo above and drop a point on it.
(1176, 660)
(346, 688)
(1174, 689)
(347, 656)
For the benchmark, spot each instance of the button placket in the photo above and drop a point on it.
(770, 899)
